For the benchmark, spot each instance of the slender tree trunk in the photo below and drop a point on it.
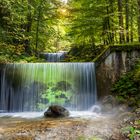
(138, 1)
(28, 28)
(104, 33)
(131, 22)
(108, 36)
(127, 19)
(121, 26)
(106, 28)
(112, 21)
(37, 26)
(37, 33)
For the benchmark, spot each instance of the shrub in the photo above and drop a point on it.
(127, 88)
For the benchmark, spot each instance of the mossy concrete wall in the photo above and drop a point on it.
(111, 65)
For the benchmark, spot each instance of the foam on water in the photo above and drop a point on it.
(34, 115)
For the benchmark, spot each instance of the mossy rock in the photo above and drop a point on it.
(56, 111)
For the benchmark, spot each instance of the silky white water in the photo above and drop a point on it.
(35, 115)
(55, 57)
(32, 87)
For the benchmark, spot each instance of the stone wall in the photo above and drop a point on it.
(110, 66)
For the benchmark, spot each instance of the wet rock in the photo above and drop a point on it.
(122, 108)
(109, 99)
(96, 109)
(55, 111)
(137, 111)
(132, 101)
(125, 108)
(108, 103)
(126, 117)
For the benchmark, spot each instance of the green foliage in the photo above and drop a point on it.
(127, 88)
(126, 85)
(56, 94)
(5, 59)
(86, 21)
(11, 49)
(132, 132)
(98, 22)
(30, 24)
(11, 53)
(84, 138)
(137, 73)
(80, 53)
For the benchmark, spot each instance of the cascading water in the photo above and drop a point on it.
(34, 86)
(55, 57)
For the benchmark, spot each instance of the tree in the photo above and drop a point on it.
(86, 21)
(127, 19)
(37, 25)
(28, 23)
(121, 21)
(138, 1)
(131, 22)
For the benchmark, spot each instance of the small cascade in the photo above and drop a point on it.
(55, 57)
(34, 86)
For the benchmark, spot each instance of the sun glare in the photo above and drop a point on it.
(63, 10)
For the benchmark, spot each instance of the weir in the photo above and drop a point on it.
(34, 86)
(54, 57)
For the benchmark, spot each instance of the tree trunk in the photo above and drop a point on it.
(138, 1)
(37, 26)
(131, 22)
(112, 20)
(108, 32)
(121, 26)
(28, 28)
(127, 19)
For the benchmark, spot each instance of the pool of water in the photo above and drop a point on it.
(11, 120)
(33, 115)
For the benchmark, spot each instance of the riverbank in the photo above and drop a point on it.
(101, 127)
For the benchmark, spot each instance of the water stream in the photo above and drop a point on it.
(55, 57)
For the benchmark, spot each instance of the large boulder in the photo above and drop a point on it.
(55, 111)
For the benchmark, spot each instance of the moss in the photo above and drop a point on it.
(19, 59)
(97, 53)
(13, 54)
(113, 48)
(101, 54)
(125, 47)
(82, 53)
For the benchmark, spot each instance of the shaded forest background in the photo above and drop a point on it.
(29, 27)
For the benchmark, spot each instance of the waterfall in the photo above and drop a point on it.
(55, 57)
(34, 86)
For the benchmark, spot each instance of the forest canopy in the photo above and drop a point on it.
(29, 27)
